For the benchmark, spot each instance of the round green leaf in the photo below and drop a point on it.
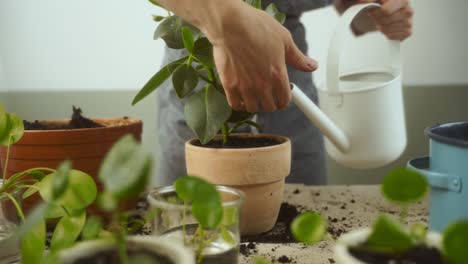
(92, 228)
(404, 185)
(184, 79)
(389, 236)
(81, 191)
(309, 228)
(206, 206)
(126, 168)
(455, 243)
(185, 187)
(67, 231)
(14, 130)
(205, 113)
(33, 243)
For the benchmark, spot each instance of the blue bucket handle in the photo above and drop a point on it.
(436, 179)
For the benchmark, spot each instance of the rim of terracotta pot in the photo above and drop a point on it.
(281, 139)
(359, 236)
(85, 135)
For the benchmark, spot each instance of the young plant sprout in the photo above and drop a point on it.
(206, 110)
(66, 194)
(206, 207)
(401, 186)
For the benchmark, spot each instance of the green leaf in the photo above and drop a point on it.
(309, 228)
(37, 174)
(60, 181)
(455, 243)
(67, 231)
(79, 194)
(388, 236)
(205, 113)
(92, 228)
(126, 168)
(159, 78)
(418, 231)
(33, 243)
(403, 185)
(187, 37)
(35, 217)
(273, 11)
(185, 80)
(170, 30)
(154, 2)
(185, 187)
(245, 123)
(255, 3)
(206, 206)
(3, 122)
(227, 236)
(14, 130)
(203, 52)
(157, 18)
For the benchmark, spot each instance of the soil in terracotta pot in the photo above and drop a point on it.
(417, 255)
(77, 121)
(240, 142)
(112, 257)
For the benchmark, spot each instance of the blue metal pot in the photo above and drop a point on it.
(446, 169)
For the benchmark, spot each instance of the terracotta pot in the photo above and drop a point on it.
(259, 172)
(86, 148)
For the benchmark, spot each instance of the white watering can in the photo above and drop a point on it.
(363, 117)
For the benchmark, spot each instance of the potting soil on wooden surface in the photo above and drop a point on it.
(346, 208)
(77, 121)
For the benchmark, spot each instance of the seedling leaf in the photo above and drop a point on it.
(309, 228)
(187, 37)
(67, 231)
(185, 80)
(455, 243)
(404, 186)
(389, 236)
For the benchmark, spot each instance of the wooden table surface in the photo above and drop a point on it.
(346, 208)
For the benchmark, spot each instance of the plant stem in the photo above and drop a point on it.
(18, 207)
(6, 160)
(225, 131)
(189, 61)
(201, 246)
(184, 220)
(403, 213)
(206, 79)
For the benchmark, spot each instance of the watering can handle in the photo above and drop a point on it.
(337, 46)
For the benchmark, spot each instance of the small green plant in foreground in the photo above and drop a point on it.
(403, 187)
(66, 194)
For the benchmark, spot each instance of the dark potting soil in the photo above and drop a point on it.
(111, 256)
(240, 142)
(281, 232)
(77, 121)
(417, 255)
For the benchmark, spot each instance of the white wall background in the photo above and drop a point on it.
(107, 44)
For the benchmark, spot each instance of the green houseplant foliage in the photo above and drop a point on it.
(206, 110)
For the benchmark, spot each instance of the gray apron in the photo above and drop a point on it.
(308, 154)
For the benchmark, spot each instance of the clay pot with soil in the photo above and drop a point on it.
(83, 141)
(256, 164)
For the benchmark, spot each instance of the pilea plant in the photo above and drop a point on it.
(66, 193)
(206, 206)
(401, 186)
(206, 110)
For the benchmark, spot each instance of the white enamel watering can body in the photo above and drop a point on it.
(363, 115)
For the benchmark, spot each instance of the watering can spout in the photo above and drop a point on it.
(322, 121)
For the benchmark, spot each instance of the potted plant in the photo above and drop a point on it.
(256, 164)
(389, 241)
(79, 139)
(200, 215)
(67, 201)
(124, 174)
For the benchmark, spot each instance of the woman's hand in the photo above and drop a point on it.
(394, 19)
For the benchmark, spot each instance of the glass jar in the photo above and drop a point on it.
(9, 221)
(173, 220)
